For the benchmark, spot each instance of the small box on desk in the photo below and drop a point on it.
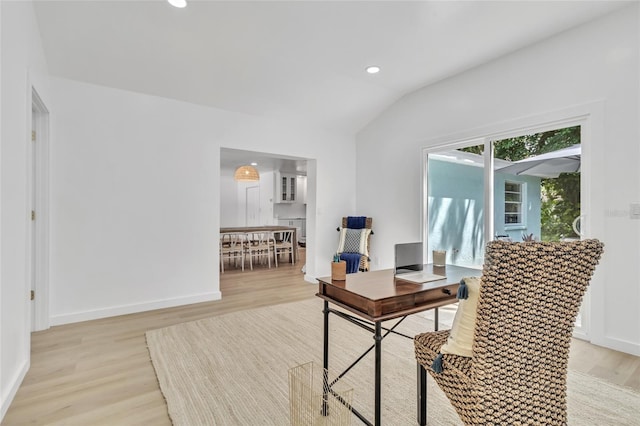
(339, 271)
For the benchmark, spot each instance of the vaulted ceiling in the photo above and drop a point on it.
(292, 59)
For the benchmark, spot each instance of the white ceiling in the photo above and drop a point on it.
(297, 59)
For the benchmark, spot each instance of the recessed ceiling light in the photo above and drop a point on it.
(373, 69)
(178, 3)
(254, 164)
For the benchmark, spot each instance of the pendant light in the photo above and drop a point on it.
(246, 174)
(178, 3)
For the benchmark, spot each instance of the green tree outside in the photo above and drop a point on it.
(560, 203)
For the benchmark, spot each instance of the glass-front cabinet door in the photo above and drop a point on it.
(287, 188)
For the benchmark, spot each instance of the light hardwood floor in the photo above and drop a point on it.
(99, 372)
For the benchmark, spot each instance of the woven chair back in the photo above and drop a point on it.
(529, 300)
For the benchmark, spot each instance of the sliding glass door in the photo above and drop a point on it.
(522, 188)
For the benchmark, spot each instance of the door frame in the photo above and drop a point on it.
(38, 178)
(590, 118)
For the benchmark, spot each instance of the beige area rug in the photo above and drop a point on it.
(232, 370)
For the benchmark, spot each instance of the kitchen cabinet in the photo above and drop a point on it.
(286, 188)
(290, 188)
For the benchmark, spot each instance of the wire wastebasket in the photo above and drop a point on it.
(313, 403)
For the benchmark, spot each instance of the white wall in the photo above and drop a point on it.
(135, 197)
(22, 66)
(592, 69)
(230, 215)
(233, 198)
(134, 194)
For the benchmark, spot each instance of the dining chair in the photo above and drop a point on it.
(232, 248)
(284, 244)
(260, 245)
(515, 370)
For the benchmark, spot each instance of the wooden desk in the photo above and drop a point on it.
(378, 296)
(266, 228)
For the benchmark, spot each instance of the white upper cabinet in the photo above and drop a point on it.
(290, 188)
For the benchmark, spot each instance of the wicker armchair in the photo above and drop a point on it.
(530, 294)
(364, 260)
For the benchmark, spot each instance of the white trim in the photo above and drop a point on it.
(558, 119)
(424, 204)
(41, 147)
(489, 192)
(620, 345)
(16, 382)
(4, 401)
(133, 308)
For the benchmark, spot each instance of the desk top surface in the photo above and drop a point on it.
(379, 296)
(376, 285)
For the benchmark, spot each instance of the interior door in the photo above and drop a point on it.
(253, 206)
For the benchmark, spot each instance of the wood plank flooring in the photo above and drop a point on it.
(99, 372)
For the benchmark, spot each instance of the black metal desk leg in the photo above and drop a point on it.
(422, 395)
(325, 360)
(378, 349)
(435, 319)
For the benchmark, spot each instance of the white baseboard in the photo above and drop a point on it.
(133, 308)
(16, 381)
(620, 345)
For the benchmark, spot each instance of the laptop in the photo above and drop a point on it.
(408, 264)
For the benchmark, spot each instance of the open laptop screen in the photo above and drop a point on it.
(408, 257)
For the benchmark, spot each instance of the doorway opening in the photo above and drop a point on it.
(279, 199)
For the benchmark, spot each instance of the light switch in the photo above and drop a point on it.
(634, 210)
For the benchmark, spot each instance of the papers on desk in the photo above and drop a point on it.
(420, 277)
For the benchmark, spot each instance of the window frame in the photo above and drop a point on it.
(523, 210)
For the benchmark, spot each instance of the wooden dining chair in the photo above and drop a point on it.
(232, 248)
(260, 245)
(284, 244)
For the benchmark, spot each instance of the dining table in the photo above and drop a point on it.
(265, 228)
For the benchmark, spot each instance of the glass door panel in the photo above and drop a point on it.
(455, 205)
(537, 188)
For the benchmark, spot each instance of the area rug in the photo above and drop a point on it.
(232, 370)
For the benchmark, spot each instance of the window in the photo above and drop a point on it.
(513, 203)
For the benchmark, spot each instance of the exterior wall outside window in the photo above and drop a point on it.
(456, 210)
